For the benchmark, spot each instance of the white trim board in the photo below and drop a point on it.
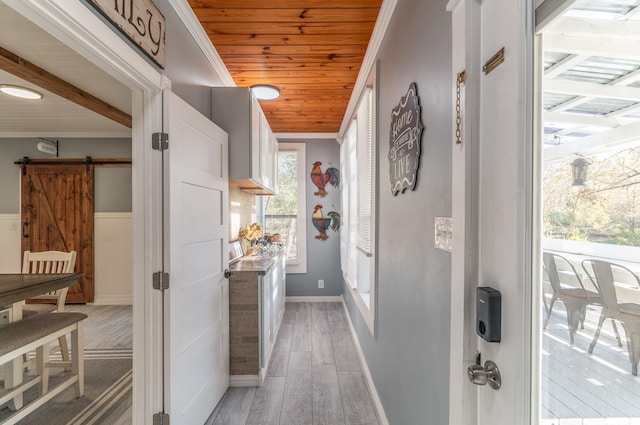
(113, 300)
(305, 136)
(245, 381)
(313, 299)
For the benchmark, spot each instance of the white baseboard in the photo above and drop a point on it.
(382, 417)
(244, 381)
(113, 300)
(312, 299)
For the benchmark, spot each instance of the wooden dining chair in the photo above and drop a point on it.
(53, 262)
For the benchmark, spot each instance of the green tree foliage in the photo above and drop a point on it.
(284, 202)
(281, 209)
(605, 210)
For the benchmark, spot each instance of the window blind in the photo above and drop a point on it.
(344, 234)
(352, 263)
(365, 172)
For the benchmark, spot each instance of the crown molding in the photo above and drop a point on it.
(380, 29)
(189, 19)
(291, 136)
(452, 5)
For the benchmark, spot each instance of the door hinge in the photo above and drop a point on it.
(161, 281)
(160, 141)
(160, 419)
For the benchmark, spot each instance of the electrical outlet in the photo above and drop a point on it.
(321, 284)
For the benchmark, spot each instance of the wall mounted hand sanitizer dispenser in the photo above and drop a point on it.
(488, 313)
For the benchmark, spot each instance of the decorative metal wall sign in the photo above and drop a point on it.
(404, 140)
(140, 21)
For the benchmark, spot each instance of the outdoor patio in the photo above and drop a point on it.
(579, 388)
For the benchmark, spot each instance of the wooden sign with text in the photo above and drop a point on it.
(404, 142)
(140, 21)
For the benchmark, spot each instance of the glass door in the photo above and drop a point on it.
(589, 315)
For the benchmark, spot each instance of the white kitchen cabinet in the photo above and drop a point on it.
(273, 299)
(266, 153)
(256, 306)
(252, 145)
(278, 290)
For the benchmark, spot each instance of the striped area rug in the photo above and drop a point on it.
(97, 413)
(107, 399)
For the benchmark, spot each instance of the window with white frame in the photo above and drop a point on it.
(284, 213)
(357, 241)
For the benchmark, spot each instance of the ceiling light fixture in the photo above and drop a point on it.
(21, 92)
(265, 91)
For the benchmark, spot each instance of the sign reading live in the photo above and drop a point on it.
(141, 21)
(404, 141)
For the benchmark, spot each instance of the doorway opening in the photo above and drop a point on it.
(590, 189)
(79, 133)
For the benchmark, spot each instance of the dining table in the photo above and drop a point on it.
(14, 290)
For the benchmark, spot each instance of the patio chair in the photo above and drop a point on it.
(568, 288)
(49, 262)
(602, 273)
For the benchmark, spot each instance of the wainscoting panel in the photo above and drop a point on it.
(113, 255)
(113, 258)
(10, 261)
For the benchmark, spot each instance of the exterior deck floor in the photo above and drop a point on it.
(579, 388)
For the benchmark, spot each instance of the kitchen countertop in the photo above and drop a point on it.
(260, 263)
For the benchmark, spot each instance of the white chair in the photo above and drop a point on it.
(53, 262)
(569, 288)
(603, 273)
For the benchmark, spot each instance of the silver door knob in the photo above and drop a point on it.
(483, 375)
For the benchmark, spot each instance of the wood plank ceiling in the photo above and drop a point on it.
(311, 50)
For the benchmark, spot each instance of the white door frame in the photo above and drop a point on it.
(74, 24)
(469, 404)
(464, 185)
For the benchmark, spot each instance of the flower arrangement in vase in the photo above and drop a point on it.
(251, 233)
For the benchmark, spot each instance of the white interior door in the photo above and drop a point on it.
(196, 304)
(492, 206)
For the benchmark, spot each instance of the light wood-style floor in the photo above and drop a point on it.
(107, 326)
(108, 331)
(314, 377)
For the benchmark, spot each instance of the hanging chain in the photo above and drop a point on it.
(462, 78)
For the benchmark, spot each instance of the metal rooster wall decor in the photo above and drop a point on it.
(322, 224)
(320, 179)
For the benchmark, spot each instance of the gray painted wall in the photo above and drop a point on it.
(112, 185)
(323, 257)
(188, 69)
(409, 359)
